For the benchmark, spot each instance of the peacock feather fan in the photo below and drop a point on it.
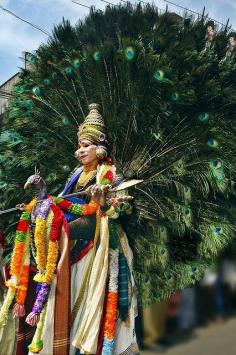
(169, 107)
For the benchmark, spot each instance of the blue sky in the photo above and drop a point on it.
(17, 37)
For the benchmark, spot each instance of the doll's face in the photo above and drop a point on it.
(210, 30)
(86, 152)
(232, 41)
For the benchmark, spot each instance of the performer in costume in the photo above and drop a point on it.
(103, 300)
(101, 257)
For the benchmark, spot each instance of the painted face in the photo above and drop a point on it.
(86, 152)
(210, 31)
(232, 41)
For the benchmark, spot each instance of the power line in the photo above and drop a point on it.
(189, 10)
(109, 3)
(28, 22)
(78, 3)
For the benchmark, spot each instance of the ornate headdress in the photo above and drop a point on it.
(93, 128)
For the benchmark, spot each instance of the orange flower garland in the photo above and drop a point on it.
(19, 268)
(19, 246)
(22, 288)
(112, 303)
(111, 313)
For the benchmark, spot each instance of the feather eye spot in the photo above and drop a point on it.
(212, 143)
(187, 211)
(204, 116)
(46, 82)
(76, 64)
(162, 251)
(216, 163)
(36, 91)
(218, 229)
(159, 75)
(129, 53)
(69, 71)
(175, 96)
(96, 56)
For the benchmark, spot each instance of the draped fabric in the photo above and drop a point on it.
(86, 338)
(8, 336)
(62, 305)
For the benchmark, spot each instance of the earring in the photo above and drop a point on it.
(101, 152)
(76, 154)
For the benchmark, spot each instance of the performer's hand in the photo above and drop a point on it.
(98, 193)
(116, 201)
(21, 206)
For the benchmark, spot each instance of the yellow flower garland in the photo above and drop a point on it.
(53, 250)
(41, 256)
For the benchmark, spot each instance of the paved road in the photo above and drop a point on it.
(218, 339)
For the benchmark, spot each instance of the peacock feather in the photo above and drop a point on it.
(170, 111)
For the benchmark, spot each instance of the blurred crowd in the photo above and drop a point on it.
(211, 301)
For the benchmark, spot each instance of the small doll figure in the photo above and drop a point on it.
(210, 35)
(231, 46)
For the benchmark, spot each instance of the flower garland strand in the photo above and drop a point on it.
(37, 344)
(18, 270)
(39, 238)
(112, 304)
(57, 223)
(76, 208)
(46, 261)
(19, 247)
(19, 308)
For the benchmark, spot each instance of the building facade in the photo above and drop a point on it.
(5, 93)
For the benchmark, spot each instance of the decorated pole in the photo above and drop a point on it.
(122, 186)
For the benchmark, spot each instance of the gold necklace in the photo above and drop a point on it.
(85, 177)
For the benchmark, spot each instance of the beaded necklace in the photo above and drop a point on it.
(85, 178)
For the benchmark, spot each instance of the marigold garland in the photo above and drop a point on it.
(19, 246)
(29, 207)
(111, 304)
(40, 243)
(111, 313)
(19, 269)
(46, 255)
(23, 285)
(53, 250)
(46, 270)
